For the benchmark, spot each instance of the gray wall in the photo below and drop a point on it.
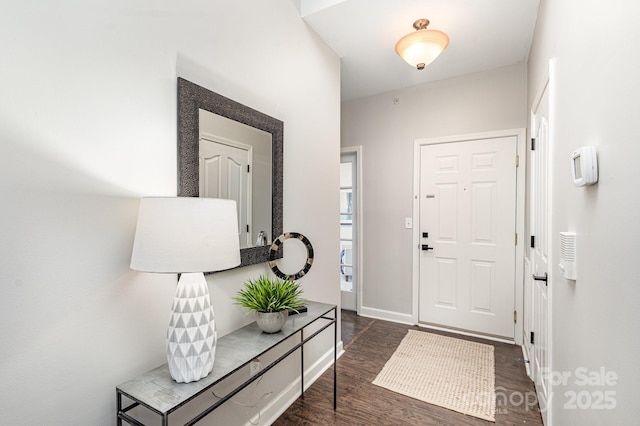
(386, 126)
(87, 127)
(595, 319)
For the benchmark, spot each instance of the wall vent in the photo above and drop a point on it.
(568, 255)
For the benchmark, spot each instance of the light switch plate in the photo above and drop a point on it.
(408, 222)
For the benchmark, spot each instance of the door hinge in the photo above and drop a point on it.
(515, 317)
(516, 238)
(517, 161)
(248, 168)
(247, 228)
(533, 242)
(531, 339)
(533, 144)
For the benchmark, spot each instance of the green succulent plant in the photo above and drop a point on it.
(270, 295)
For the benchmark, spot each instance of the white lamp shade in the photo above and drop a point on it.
(186, 234)
(422, 46)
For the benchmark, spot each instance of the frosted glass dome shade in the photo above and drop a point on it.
(422, 47)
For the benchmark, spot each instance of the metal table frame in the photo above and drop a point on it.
(159, 393)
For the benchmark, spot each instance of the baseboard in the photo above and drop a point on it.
(386, 315)
(527, 362)
(288, 396)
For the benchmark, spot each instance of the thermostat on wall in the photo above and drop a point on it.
(584, 166)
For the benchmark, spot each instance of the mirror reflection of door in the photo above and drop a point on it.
(225, 172)
(348, 231)
(238, 146)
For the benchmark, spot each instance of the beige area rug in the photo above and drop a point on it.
(451, 373)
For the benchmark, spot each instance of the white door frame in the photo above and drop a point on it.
(520, 135)
(357, 150)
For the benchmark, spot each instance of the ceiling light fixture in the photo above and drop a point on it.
(422, 47)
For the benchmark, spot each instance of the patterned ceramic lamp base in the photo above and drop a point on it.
(191, 337)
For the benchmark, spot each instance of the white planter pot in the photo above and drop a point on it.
(271, 322)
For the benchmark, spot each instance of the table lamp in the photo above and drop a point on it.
(188, 236)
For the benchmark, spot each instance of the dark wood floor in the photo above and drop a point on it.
(368, 345)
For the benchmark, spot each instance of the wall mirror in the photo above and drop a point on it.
(228, 150)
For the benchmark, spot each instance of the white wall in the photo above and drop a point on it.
(87, 126)
(386, 126)
(595, 320)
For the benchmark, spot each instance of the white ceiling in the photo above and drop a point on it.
(484, 34)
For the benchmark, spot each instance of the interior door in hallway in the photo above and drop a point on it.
(467, 229)
(539, 338)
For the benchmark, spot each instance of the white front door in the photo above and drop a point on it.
(467, 235)
(225, 173)
(538, 339)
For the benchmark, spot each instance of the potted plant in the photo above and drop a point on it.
(271, 299)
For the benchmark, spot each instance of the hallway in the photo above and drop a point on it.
(368, 345)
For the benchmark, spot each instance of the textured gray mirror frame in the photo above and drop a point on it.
(191, 98)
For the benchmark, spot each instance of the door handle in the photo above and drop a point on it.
(541, 277)
(426, 247)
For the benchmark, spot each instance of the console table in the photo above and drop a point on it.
(159, 393)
